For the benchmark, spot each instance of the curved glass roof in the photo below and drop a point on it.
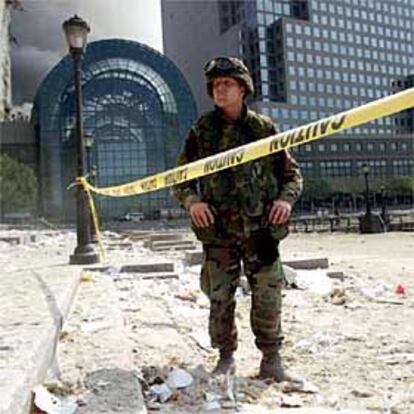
(138, 107)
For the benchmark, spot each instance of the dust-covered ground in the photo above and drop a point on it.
(352, 339)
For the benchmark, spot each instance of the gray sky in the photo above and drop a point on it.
(41, 43)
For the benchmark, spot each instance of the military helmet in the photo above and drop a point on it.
(227, 66)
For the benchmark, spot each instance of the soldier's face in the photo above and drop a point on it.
(227, 92)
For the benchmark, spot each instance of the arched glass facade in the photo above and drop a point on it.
(137, 106)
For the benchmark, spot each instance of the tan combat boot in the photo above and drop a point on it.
(225, 363)
(271, 368)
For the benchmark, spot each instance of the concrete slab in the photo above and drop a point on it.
(174, 248)
(196, 258)
(136, 234)
(12, 239)
(148, 237)
(165, 236)
(34, 305)
(336, 275)
(119, 246)
(158, 275)
(193, 258)
(308, 264)
(20, 237)
(148, 268)
(170, 243)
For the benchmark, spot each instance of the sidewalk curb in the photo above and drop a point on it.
(35, 305)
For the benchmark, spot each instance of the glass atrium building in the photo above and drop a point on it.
(138, 108)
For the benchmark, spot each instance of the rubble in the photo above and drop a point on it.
(304, 387)
(162, 391)
(50, 404)
(179, 378)
(314, 281)
(358, 356)
(308, 264)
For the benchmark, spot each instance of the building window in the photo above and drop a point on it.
(335, 168)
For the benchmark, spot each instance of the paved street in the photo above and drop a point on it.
(129, 327)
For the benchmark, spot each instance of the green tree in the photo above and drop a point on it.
(18, 185)
(316, 188)
(403, 185)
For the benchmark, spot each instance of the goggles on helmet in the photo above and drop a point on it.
(220, 65)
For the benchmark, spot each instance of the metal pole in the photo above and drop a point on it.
(84, 252)
(88, 162)
(91, 179)
(383, 206)
(368, 205)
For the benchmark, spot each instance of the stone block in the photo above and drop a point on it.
(308, 264)
(193, 258)
(158, 275)
(118, 246)
(336, 275)
(174, 248)
(171, 243)
(148, 268)
(166, 236)
(12, 239)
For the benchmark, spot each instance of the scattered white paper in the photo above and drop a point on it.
(179, 378)
(47, 402)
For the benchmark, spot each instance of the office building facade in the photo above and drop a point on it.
(309, 59)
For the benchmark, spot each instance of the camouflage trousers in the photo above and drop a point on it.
(220, 276)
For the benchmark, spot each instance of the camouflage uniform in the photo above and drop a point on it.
(240, 199)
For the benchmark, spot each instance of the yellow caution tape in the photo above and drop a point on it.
(86, 276)
(82, 181)
(263, 147)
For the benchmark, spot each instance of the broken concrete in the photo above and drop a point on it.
(158, 275)
(148, 268)
(177, 247)
(162, 237)
(308, 264)
(18, 238)
(196, 258)
(193, 258)
(170, 243)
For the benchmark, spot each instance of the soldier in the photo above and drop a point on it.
(240, 215)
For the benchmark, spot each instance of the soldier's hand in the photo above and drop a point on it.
(201, 215)
(279, 212)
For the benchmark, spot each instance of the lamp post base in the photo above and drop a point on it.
(371, 223)
(84, 255)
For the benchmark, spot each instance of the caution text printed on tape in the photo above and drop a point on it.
(264, 147)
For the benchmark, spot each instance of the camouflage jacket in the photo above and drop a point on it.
(239, 196)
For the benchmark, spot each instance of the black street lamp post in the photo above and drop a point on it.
(365, 170)
(76, 32)
(383, 206)
(91, 171)
(89, 141)
(370, 222)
